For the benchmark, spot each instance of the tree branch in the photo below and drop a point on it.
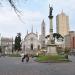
(18, 13)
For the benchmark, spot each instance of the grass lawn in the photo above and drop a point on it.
(52, 58)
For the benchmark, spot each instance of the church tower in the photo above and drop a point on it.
(43, 34)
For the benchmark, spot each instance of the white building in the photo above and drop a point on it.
(31, 43)
(6, 45)
(42, 36)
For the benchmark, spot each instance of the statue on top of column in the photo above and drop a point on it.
(51, 9)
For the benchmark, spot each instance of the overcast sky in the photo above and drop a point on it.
(33, 12)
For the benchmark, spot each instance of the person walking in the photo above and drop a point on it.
(23, 58)
(27, 58)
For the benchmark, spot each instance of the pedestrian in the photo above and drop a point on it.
(23, 57)
(27, 58)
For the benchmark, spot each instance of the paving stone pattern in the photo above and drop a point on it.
(14, 66)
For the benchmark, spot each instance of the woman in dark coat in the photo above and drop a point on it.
(27, 58)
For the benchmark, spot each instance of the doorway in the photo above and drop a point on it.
(31, 46)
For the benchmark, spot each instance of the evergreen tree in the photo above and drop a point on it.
(18, 42)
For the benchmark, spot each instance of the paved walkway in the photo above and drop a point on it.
(72, 58)
(14, 66)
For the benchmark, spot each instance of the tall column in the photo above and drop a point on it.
(51, 47)
(51, 25)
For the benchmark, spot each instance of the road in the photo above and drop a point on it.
(14, 66)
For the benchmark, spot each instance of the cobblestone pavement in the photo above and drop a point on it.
(14, 66)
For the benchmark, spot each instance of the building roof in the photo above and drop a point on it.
(30, 34)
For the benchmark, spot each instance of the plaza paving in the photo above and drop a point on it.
(14, 66)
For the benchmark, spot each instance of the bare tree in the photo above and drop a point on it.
(12, 3)
(14, 6)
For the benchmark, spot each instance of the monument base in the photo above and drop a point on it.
(51, 49)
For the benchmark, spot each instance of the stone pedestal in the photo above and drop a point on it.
(51, 49)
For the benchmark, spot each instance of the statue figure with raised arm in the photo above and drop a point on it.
(51, 9)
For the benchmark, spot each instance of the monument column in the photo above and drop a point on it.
(51, 47)
(51, 23)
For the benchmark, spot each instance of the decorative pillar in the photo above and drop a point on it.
(51, 47)
(51, 25)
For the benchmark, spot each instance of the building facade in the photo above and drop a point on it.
(70, 40)
(6, 45)
(62, 24)
(32, 42)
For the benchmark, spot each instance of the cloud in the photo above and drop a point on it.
(68, 7)
(10, 23)
(9, 16)
(33, 13)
